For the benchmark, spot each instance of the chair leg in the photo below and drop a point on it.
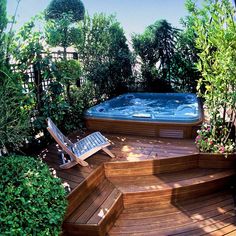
(72, 163)
(82, 162)
(68, 165)
(107, 151)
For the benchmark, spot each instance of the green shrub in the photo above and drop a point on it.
(215, 30)
(68, 73)
(14, 118)
(81, 99)
(32, 201)
(104, 55)
(206, 141)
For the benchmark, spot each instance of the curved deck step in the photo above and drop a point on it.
(170, 187)
(149, 167)
(212, 214)
(97, 213)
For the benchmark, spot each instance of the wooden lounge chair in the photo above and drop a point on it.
(80, 150)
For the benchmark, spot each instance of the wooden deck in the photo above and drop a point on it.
(130, 149)
(152, 187)
(208, 215)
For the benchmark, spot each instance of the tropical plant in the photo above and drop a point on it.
(104, 54)
(214, 25)
(33, 202)
(156, 47)
(61, 16)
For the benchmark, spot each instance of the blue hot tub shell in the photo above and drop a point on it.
(156, 110)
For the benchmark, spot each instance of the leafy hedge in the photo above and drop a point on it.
(32, 201)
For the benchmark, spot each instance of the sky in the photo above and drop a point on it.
(134, 15)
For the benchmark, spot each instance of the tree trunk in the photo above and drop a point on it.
(65, 43)
(38, 84)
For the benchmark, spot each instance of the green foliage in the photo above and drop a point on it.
(32, 200)
(207, 141)
(60, 16)
(57, 8)
(61, 32)
(63, 99)
(167, 57)
(215, 27)
(3, 16)
(68, 115)
(104, 55)
(68, 70)
(81, 99)
(3, 25)
(156, 47)
(54, 105)
(27, 46)
(14, 119)
(29, 51)
(183, 71)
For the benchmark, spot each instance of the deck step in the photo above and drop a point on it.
(212, 214)
(170, 187)
(84, 189)
(149, 167)
(97, 213)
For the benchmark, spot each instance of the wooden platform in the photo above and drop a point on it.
(126, 148)
(151, 182)
(170, 187)
(208, 215)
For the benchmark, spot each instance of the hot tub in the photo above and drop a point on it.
(172, 115)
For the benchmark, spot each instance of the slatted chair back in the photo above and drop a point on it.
(80, 150)
(65, 144)
(57, 134)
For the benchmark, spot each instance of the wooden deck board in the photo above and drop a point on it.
(94, 196)
(95, 203)
(197, 217)
(135, 184)
(144, 164)
(126, 148)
